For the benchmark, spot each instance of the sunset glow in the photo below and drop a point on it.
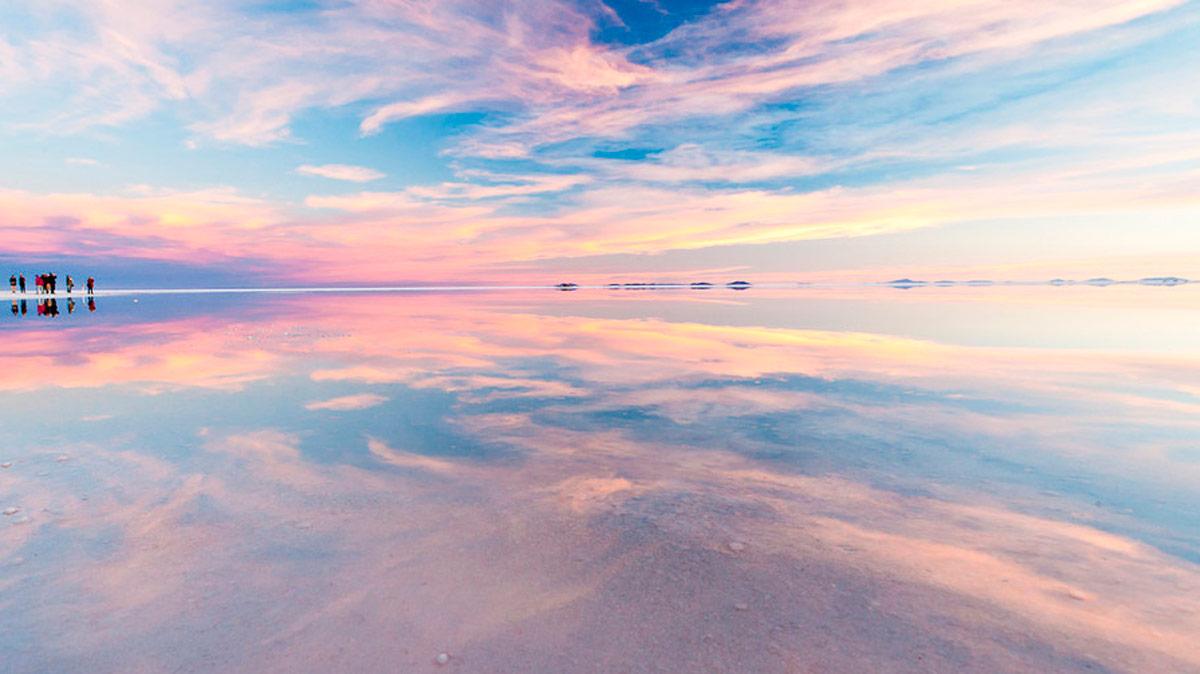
(238, 143)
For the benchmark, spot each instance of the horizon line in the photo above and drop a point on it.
(905, 283)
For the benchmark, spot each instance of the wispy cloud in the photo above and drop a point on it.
(361, 401)
(538, 58)
(82, 161)
(752, 123)
(356, 174)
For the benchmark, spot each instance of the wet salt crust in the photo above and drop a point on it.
(566, 482)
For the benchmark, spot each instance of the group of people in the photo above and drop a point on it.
(46, 284)
(49, 307)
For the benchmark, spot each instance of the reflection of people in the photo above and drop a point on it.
(70, 305)
(91, 304)
(16, 310)
(24, 309)
(21, 281)
(91, 284)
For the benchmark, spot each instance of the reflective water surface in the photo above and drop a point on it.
(808, 480)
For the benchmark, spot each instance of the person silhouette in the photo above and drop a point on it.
(91, 285)
(12, 281)
(21, 280)
(70, 284)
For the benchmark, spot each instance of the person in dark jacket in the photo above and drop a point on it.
(21, 280)
(12, 281)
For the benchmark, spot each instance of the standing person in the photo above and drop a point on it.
(70, 283)
(52, 279)
(39, 282)
(21, 279)
(91, 284)
(12, 281)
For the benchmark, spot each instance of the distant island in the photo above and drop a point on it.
(900, 283)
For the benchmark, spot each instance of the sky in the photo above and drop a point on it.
(297, 142)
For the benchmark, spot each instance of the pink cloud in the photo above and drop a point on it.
(538, 61)
(538, 56)
(463, 230)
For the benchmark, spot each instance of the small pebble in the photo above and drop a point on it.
(741, 606)
(737, 546)
(442, 658)
(11, 510)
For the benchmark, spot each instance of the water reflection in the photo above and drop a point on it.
(568, 482)
(49, 308)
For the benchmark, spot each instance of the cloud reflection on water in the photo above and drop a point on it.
(533, 491)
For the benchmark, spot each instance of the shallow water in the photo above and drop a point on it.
(806, 480)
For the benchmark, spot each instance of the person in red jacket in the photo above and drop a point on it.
(37, 283)
(91, 284)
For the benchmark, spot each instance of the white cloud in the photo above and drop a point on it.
(82, 161)
(354, 402)
(357, 174)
